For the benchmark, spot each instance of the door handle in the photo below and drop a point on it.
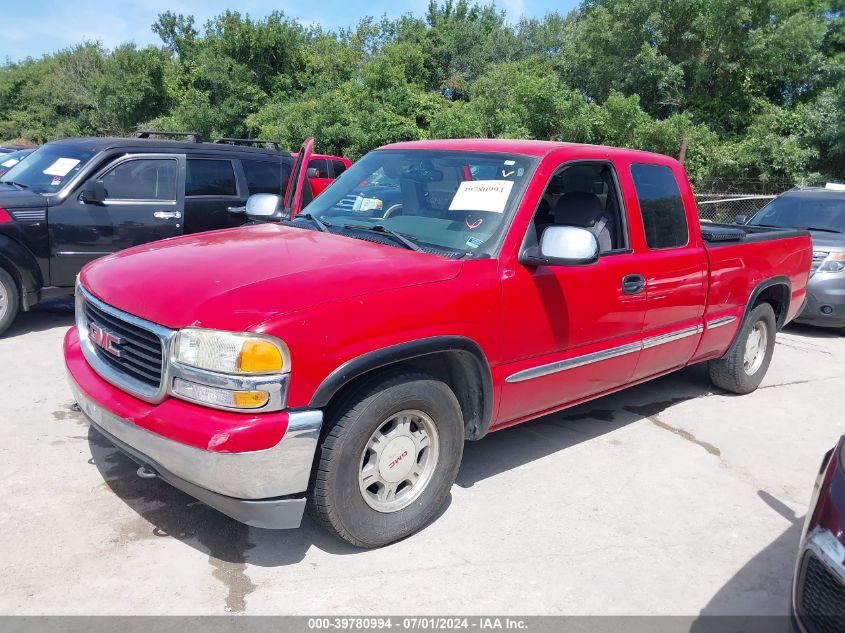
(633, 284)
(167, 215)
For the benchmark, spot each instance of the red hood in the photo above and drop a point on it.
(238, 278)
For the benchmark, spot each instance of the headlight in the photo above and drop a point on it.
(230, 352)
(834, 263)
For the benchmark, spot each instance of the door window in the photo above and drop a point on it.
(321, 165)
(584, 195)
(142, 179)
(339, 167)
(266, 177)
(210, 178)
(661, 207)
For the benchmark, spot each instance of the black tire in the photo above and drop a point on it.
(729, 372)
(335, 498)
(9, 291)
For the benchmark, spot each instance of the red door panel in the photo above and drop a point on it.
(585, 318)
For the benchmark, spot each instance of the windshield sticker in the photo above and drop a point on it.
(482, 195)
(474, 242)
(61, 167)
(10, 163)
(57, 180)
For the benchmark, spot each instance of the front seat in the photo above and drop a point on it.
(578, 208)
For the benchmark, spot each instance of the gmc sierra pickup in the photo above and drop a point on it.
(339, 360)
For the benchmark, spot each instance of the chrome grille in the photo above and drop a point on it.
(140, 350)
(818, 258)
(822, 607)
(125, 350)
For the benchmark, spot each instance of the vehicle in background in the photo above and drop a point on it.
(820, 210)
(341, 358)
(74, 200)
(323, 169)
(7, 161)
(818, 588)
(8, 149)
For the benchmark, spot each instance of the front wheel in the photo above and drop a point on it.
(9, 300)
(743, 368)
(389, 459)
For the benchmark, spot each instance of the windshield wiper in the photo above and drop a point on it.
(323, 226)
(817, 228)
(404, 239)
(19, 185)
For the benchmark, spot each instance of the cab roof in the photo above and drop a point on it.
(515, 146)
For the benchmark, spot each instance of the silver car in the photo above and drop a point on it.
(821, 210)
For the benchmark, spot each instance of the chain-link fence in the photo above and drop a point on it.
(722, 200)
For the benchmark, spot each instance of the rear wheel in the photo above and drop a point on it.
(743, 368)
(10, 300)
(389, 459)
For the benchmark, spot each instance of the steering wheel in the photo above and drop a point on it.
(392, 209)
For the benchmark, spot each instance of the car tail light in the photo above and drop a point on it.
(4, 216)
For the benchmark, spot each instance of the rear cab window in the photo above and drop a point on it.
(661, 207)
(210, 177)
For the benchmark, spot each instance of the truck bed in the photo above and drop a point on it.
(716, 234)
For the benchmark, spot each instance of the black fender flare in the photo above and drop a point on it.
(780, 319)
(779, 280)
(19, 262)
(478, 422)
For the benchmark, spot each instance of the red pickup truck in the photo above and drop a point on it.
(438, 291)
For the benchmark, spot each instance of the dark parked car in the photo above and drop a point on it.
(74, 200)
(818, 591)
(8, 149)
(821, 210)
(7, 161)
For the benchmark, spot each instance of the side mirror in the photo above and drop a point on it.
(265, 207)
(563, 246)
(741, 219)
(93, 192)
(312, 172)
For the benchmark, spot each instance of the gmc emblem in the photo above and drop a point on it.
(104, 339)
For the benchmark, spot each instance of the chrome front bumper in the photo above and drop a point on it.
(260, 488)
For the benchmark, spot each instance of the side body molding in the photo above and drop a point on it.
(475, 382)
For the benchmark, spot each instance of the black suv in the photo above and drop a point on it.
(74, 200)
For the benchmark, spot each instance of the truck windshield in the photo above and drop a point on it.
(443, 201)
(825, 211)
(48, 168)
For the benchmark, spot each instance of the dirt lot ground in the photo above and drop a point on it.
(666, 498)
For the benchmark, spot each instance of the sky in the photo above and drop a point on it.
(32, 28)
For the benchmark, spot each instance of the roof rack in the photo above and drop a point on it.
(195, 137)
(249, 141)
